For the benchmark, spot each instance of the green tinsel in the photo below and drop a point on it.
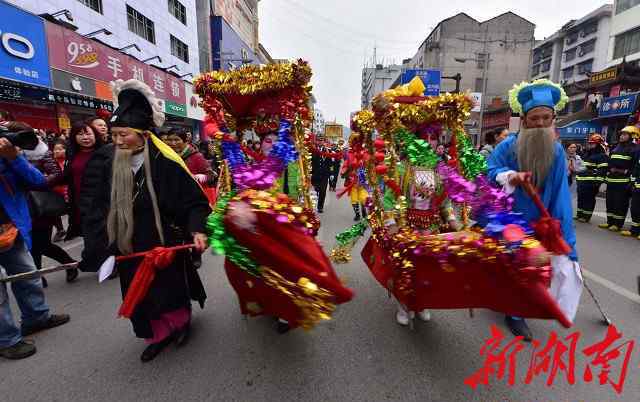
(352, 233)
(472, 162)
(418, 151)
(222, 243)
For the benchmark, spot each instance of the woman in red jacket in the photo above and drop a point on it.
(199, 167)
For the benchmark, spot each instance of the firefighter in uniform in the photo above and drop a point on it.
(621, 162)
(589, 180)
(635, 192)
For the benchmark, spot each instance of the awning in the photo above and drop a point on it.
(579, 129)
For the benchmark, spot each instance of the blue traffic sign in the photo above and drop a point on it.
(430, 78)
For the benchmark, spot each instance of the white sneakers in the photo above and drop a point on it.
(403, 317)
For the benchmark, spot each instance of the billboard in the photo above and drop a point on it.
(430, 78)
(23, 47)
(618, 106)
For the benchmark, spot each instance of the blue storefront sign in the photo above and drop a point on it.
(618, 106)
(579, 129)
(430, 78)
(23, 47)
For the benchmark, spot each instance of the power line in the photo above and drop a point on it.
(368, 35)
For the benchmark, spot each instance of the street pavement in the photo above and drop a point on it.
(360, 355)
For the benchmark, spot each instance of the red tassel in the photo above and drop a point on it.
(393, 186)
(549, 232)
(158, 258)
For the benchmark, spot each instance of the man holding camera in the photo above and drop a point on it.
(16, 174)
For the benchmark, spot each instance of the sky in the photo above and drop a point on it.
(337, 37)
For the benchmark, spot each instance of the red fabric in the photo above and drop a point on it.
(211, 194)
(158, 258)
(197, 164)
(520, 292)
(291, 253)
(168, 324)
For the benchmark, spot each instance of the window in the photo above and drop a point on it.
(140, 25)
(179, 49)
(567, 73)
(627, 43)
(585, 67)
(570, 55)
(587, 48)
(589, 29)
(480, 61)
(624, 5)
(95, 5)
(546, 66)
(479, 86)
(573, 38)
(178, 10)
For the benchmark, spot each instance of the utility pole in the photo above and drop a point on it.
(487, 58)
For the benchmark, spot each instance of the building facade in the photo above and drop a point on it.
(234, 34)
(572, 53)
(624, 41)
(377, 79)
(165, 28)
(459, 45)
(65, 75)
(318, 122)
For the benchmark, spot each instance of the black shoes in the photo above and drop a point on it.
(282, 327)
(154, 349)
(519, 327)
(54, 320)
(72, 274)
(18, 351)
(182, 335)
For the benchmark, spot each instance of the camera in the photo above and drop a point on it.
(24, 139)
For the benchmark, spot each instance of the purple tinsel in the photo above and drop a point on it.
(261, 175)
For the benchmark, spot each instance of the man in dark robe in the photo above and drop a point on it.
(149, 199)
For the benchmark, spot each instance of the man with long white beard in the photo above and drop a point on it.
(149, 199)
(535, 155)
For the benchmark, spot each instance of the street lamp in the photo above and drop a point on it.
(98, 32)
(133, 45)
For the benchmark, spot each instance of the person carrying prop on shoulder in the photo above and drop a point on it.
(590, 179)
(534, 155)
(149, 200)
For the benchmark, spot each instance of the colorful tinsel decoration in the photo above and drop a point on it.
(345, 241)
(222, 243)
(470, 160)
(418, 151)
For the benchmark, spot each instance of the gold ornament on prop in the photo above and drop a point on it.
(314, 302)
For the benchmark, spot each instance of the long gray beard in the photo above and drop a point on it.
(536, 152)
(120, 219)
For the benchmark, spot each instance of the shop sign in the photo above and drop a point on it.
(579, 129)
(618, 106)
(12, 91)
(194, 111)
(80, 101)
(23, 47)
(73, 83)
(604, 76)
(78, 55)
(176, 109)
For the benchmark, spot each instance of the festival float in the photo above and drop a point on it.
(442, 236)
(272, 258)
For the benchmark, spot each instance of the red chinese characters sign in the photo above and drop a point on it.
(608, 360)
(78, 55)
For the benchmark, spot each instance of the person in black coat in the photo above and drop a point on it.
(320, 172)
(335, 168)
(147, 200)
(589, 180)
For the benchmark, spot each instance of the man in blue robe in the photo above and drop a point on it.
(534, 154)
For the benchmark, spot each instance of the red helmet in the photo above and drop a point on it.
(596, 139)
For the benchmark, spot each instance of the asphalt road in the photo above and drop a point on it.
(361, 355)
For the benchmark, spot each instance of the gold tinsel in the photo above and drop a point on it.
(313, 301)
(252, 80)
(363, 122)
